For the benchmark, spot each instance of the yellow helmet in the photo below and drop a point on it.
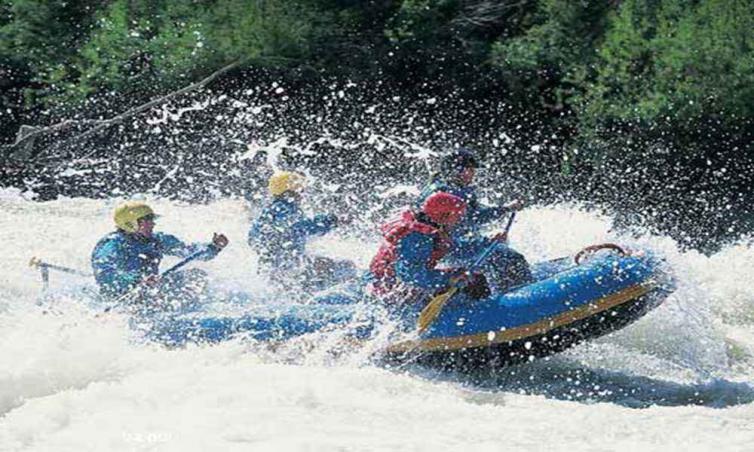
(284, 181)
(127, 215)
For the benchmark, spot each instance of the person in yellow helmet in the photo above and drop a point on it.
(131, 255)
(280, 233)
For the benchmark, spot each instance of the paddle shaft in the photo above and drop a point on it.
(482, 257)
(42, 265)
(510, 222)
(59, 268)
(436, 304)
(166, 272)
(184, 262)
(486, 253)
(45, 267)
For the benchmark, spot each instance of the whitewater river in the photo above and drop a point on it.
(681, 378)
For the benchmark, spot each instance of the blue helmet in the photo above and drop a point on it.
(458, 160)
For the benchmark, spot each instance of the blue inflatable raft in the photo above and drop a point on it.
(568, 303)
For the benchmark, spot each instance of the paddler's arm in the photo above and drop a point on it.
(173, 246)
(318, 225)
(414, 254)
(483, 214)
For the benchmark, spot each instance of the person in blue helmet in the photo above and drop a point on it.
(456, 176)
(280, 233)
(129, 257)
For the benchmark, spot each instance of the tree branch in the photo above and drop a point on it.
(105, 124)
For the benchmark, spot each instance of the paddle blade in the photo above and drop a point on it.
(433, 308)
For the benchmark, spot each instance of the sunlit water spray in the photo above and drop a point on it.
(70, 377)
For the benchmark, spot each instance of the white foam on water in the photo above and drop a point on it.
(71, 380)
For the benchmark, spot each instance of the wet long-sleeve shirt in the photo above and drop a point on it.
(280, 233)
(121, 260)
(413, 264)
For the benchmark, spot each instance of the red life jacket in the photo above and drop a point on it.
(383, 263)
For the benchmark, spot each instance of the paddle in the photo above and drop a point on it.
(172, 269)
(184, 262)
(436, 304)
(45, 267)
(39, 263)
(510, 223)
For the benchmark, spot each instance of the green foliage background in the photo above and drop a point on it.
(608, 75)
(643, 105)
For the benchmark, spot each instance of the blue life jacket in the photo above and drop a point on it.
(409, 254)
(414, 263)
(476, 214)
(280, 233)
(121, 260)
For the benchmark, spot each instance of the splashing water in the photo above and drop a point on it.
(71, 380)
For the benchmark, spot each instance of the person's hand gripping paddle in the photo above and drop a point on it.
(437, 303)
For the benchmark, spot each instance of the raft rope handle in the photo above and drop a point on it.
(594, 248)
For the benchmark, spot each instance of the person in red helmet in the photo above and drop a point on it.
(406, 264)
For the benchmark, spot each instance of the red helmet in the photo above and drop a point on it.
(444, 208)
